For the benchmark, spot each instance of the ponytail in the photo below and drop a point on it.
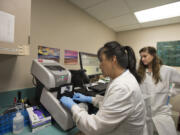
(132, 62)
(124, 54)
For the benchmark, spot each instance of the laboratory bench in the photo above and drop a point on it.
(54, 129)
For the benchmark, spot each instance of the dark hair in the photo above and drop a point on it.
(156, 64)
(124, 54)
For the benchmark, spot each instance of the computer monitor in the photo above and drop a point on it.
(79, 78)
(90, 63)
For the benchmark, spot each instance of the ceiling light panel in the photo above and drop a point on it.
(158, 13)
(161, 22)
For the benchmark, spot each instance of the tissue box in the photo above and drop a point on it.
(39, 117)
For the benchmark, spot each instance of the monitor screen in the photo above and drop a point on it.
(65, 90)
(90, 63)
(79, 78)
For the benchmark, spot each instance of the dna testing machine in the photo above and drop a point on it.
(56, 81)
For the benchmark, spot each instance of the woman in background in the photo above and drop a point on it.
(155, 83)
(121, 109)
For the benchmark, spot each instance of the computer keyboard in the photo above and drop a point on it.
(99, 87)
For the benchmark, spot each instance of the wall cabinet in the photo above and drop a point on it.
(21, 9)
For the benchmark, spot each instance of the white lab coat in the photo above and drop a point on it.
(158, 93)
(121, 110)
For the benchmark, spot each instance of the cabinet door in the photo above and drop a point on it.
(21, 9)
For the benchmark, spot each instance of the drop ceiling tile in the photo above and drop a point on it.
(126, 19)
(136, 5)
(108, 9)
(127, 27)
(161, 22)
(118, 14)
(85, 3)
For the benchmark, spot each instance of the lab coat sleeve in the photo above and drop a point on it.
(97, 100)
(175, 80)
(112, 112)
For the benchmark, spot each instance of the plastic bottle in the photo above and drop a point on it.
(18, 123)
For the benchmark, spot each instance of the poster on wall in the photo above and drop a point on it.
(48, 53)
(70, 57)
(169, 52)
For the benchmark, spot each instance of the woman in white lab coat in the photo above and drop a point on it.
(155, 83)
(121, 110)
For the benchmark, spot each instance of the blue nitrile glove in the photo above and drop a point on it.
(82, 98)
(67, 102)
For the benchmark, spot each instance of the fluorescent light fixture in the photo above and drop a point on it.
(158, 13)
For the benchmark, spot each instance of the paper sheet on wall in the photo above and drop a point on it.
(6, 27)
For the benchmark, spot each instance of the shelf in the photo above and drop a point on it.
(13, 49)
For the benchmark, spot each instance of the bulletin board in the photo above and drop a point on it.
(169, 52)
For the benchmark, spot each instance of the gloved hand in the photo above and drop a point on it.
(82, 98)
(67, 102)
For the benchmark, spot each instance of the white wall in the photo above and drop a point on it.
(149, 36)
(54, 23)
(59, 24)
